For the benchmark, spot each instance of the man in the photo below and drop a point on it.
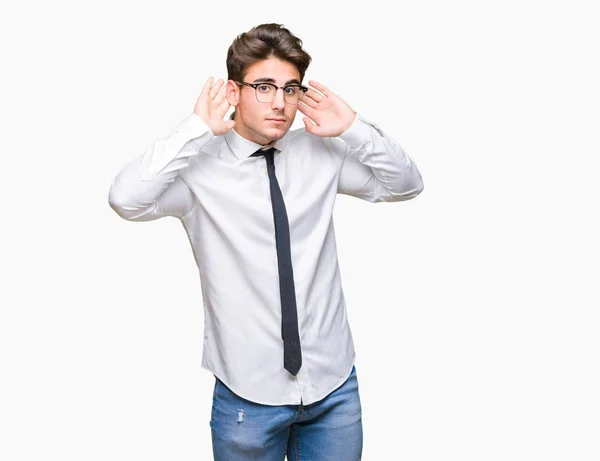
(256, 201)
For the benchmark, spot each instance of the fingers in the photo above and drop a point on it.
(222, 101)
(207, 86)
(306, 110)
(209, 91)
(309, 100)
(216, 95)
(314, 95)
(319, 86)
(222, 106)
(220, 96)
(216, 88)
(314, 115)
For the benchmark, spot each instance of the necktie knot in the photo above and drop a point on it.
(266, 152)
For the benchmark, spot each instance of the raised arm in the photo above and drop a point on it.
(375, 167)
(149, 186)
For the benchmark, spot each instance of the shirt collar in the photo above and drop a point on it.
(244, 148)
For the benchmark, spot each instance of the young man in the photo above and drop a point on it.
(256, 201)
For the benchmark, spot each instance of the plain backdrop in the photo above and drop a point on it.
(474, 307)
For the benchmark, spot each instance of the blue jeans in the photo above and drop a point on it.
(327, 430)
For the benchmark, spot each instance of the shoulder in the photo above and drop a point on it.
(301, 140)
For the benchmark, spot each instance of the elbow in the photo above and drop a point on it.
(403, 194)
(122, 204)
(414, 181)
(418, 187)
(117, 201)
(415, 190)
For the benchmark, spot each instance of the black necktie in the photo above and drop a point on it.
(292, 356)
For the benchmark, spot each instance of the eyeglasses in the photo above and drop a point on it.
(265, 92)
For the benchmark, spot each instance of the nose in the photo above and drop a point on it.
(279, 101)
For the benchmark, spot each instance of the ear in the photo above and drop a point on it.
(232, 92)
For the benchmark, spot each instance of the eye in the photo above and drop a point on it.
(264, 88)
(291, 89)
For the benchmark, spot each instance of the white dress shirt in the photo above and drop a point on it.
(222, 197)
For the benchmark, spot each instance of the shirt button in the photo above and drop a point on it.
(266, 172)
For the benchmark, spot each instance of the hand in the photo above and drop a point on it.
(212, 105)
(330, 113)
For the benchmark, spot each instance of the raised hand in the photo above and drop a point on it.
(212, 105)
(327, 115)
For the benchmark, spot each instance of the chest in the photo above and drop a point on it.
(241, 192)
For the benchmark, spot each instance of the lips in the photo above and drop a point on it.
(276, 119)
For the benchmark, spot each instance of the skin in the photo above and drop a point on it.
(326, 114)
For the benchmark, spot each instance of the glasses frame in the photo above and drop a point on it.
(255, 85)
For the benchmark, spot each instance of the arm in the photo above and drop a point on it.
(149, 187)
(376, 168)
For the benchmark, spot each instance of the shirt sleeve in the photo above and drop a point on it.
(375, 167)
(149, 186)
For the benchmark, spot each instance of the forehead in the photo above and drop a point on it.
(273, 68)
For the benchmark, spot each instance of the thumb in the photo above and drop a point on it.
(308, 124)
(230, 124)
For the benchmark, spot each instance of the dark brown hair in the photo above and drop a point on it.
(262, 42)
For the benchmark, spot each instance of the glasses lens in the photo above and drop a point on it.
(265, 92)
(292, 94)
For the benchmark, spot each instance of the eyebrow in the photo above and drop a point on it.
(270, 80)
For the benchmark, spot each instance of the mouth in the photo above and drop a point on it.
(276, 120)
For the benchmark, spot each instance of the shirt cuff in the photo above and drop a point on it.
(193, 126)
(360, 131)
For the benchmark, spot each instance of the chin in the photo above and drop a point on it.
(273, 136)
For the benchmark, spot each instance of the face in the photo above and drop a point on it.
(252, 118)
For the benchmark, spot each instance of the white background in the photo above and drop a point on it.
(474, 307)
